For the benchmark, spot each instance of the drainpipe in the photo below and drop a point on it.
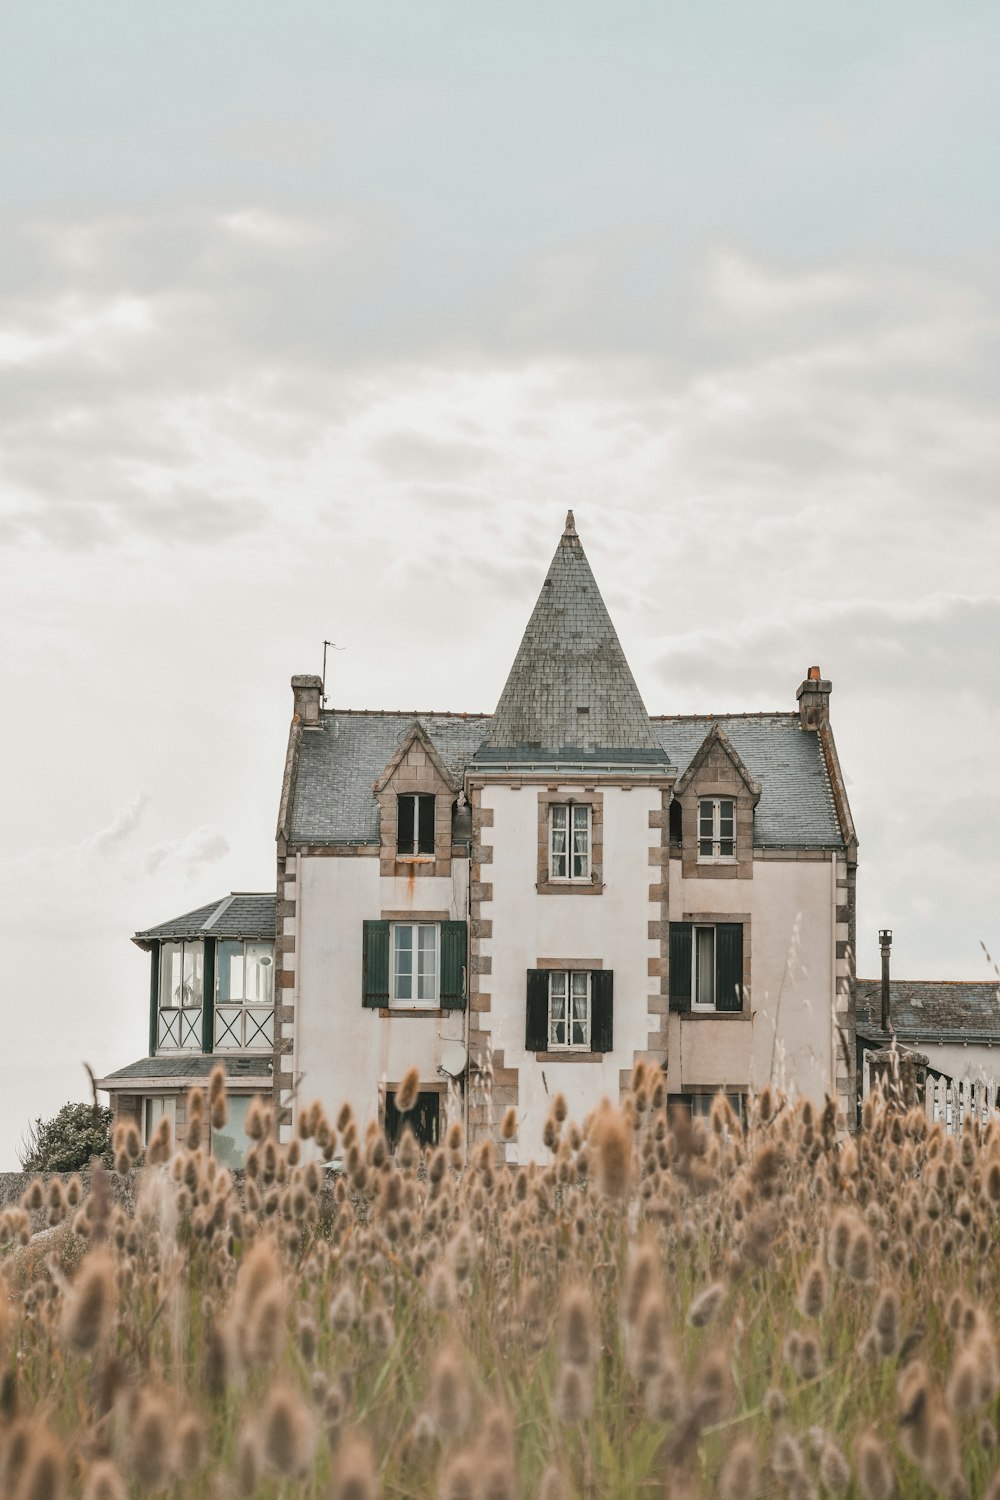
(885, 945)
(298, 987)
(468, 994)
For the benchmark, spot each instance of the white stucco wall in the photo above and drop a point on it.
(343, 1050)
(527, 927)
(788, 1039)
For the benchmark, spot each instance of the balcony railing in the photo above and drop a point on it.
(179, 1030)
(244, 1028)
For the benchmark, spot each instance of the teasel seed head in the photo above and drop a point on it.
(90, 1308)
(813, 1291)
(705, 1306)
(876, 1480)
(354, 1471)
(739, 1479)
(288, 1433)
(449, 1400)
(104, 1482)
(576, 1335)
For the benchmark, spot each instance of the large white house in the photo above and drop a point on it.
(527, 902)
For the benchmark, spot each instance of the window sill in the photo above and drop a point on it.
(568, 1055)
(412, 1010)
(718, 859)
(569, 887)
(712, 1015)
(415, 859)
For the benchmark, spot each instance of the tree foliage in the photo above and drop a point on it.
(69, 1141)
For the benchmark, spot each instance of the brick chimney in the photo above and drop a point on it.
(307, 689)
(813, 698)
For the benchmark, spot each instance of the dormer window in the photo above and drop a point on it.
(415, 823)
(716, 828)
(569, 841)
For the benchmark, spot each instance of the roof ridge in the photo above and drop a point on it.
(991, 984)
(750, 713)
(410, 713)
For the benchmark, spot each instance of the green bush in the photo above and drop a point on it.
(69, 1141)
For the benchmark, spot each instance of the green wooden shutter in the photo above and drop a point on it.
(729, 966)
(454, 957)
(680, 965)
(536, 1027)
(208, 998)
(375, 965)
(602, 1028)
(154, 994)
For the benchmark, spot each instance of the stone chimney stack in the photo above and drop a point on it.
(307, 690)
(885, 947)
(813, 698)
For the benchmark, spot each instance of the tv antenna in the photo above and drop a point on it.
(331, 646)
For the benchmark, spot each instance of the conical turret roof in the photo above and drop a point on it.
(570, 694)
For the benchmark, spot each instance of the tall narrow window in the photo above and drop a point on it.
(716, 828)
(569, 841)
(415, 823)
(181, 984)
(244, 997)
(569, 1010)
(704, 968)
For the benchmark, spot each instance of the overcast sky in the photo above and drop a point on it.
(314, 320)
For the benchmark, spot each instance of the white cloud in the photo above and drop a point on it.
(202, 846)
(121, 827)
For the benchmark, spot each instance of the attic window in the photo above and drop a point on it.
(716, 828)
(415, 823)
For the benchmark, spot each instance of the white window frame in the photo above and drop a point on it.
(716, 857)
(242, 1023)
(696, 964)
(566, 978)
(179, 1016)
(151, 1115)
(571, 810)
(411, 1002)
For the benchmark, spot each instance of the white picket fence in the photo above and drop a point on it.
(952, 1102)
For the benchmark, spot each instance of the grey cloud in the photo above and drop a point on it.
(410, 456)
(121, 828)
(202, 846)
(897, 646)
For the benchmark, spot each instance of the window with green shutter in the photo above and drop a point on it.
(706, 966)
(569, 1010)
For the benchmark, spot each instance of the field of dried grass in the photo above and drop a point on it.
(662, 1308)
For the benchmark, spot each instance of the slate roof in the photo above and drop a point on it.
(796, 808)
(193, 1065)
(243, 914)
(340, 761)
(570, 690)
(946, 1009)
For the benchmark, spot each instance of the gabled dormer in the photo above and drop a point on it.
(712, 812)
(416, 798)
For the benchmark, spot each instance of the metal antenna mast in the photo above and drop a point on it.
(326, 645)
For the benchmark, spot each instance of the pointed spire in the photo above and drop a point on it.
(570, 689)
